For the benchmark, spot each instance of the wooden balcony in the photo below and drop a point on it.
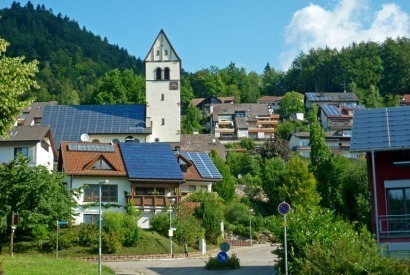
(224, 130)
(151, 200)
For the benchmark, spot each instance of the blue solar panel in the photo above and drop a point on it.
(67, 123)
(331, 110)
(150, 161)
(381, 129)
(314, 97)
(204, 164)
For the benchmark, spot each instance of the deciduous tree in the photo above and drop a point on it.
(16, 78)
(35, 194)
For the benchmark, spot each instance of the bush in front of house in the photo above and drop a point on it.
(232, 263)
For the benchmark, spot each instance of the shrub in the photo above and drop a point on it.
(88, 235)
(111, 242)
(321, 243)
(232, 263)
(40, 234)
(160, 223)
(67, 238)
(131, 232)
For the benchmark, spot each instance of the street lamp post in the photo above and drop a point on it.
(250, 225)
(170, 232)
(101, 182)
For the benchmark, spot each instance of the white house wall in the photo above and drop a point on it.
(79, 182)
(120, 137)
(44, 157)
(38, 156)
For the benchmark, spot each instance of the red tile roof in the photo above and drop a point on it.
(80, 162)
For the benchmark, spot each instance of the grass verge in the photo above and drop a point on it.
(22, 264)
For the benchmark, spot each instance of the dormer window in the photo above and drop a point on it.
(157, 52)
(166, 73)
(158, 73)
(101, 164)
(166, 52)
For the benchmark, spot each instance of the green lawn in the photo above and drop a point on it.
(28, 260)
(22, 264)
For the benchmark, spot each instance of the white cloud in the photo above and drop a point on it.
(349, 21)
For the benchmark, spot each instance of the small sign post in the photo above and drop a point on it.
(58, 226)
(222, 257)
(283, 209)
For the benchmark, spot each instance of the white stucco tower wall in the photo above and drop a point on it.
(163, 94)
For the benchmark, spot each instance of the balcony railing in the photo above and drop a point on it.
(151, 200)
(394, 225)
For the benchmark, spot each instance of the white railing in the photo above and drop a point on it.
(394, 224)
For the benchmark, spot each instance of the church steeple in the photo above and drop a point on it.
(162, 76)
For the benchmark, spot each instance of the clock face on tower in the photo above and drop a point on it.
(173, 85)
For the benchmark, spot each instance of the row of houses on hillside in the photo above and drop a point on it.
(137, 150)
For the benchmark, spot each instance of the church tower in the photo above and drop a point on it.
(163, 96)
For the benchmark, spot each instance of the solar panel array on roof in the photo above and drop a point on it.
(90, 147)
(331, 110)
(150, 161)
(381, 129)
(204, 164)
(353, 106)
(314, 97)
(67, 123)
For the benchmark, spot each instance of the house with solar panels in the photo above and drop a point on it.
(149, 175)
(85, 164)
(333, 118)
(337, 99)
(384, 135)
(199, 172)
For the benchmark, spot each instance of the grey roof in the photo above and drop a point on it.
(200, 143)
(36, 110)
(334, 97)
(241, 123)
(381, 129)
(27, 133)
(252, 110)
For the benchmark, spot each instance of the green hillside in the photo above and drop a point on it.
(71, 59)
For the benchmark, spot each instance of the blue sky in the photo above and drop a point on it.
(248, 33)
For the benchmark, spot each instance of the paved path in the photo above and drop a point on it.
(256, 259)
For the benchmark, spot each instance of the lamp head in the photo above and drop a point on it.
(103, 181)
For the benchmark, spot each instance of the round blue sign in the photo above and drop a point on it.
(225, 247)
(222, 257)
(283, 208)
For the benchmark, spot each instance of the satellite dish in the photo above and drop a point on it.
(84, 137)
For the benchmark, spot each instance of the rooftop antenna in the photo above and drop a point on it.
(344, 86)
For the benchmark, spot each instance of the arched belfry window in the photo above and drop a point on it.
(166, 73)
(158, 73)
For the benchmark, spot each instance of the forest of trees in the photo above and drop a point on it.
(75, 66)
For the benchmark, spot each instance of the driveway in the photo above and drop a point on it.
(256, 259)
